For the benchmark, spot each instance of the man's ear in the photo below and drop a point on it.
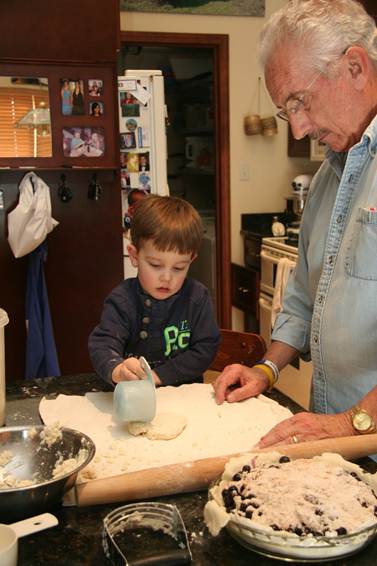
(358, 65)
(134, 256)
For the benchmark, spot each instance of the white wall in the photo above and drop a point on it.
(271, 171)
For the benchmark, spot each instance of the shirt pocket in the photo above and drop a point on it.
(361, 258)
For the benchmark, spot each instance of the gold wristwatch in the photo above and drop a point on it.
(361, 421)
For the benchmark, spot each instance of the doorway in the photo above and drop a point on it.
(195, 69)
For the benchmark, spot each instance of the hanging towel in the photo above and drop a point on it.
(283, 271)
(41, 355)
(31, 220)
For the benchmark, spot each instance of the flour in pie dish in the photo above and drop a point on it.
(320, 496)
(212, 430)
(165, 426)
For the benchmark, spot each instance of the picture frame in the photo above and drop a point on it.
(253, 8)
(95, 87)
(84, 141)
(317, 150)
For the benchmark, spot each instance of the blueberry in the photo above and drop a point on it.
(341, 531)
(246, 468)
(233, 490)
(237, 477)
(255, 505)
(284, 460)
(354, 475)
(318, 512)
(275, 527)
(298, 531)
(248, 514)
(228, 499)
(243, 507)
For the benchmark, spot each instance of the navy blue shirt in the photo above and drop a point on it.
(179, 336)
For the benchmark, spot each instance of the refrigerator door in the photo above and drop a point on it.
(143, 143)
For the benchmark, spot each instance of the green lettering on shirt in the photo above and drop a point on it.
(175, 338)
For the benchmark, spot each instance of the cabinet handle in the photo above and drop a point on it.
(243, 290)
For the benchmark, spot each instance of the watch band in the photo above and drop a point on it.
(362, 422)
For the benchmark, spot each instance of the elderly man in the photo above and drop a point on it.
(320, 63)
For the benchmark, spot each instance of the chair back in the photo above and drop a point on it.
(238, 348)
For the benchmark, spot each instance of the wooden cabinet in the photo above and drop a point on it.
(245, 294)
(74, 40)
(68, 30)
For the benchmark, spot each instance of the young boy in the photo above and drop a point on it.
(160, 314)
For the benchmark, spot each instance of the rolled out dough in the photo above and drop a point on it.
(164, 426)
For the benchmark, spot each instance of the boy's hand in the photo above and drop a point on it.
(130, 370)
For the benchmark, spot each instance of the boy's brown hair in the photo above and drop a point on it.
(171, 222)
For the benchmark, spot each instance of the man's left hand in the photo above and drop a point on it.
(307, 426)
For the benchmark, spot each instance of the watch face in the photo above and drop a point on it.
(362, 421)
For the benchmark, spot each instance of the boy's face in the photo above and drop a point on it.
(161, 274)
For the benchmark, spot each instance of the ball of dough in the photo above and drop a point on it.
(164, 426)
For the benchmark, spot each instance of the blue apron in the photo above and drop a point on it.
(41, 355)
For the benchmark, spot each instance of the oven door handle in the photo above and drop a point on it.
(270, 258)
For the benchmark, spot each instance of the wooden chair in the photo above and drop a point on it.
(238, 348)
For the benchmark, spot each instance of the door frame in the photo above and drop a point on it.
(220, 45)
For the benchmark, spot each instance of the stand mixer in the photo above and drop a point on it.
(296, 204)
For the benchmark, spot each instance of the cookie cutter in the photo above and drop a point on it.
(136, 400)
(126, 531)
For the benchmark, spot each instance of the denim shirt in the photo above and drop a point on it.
(330, 305)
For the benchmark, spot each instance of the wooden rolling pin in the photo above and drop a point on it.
(198, 474)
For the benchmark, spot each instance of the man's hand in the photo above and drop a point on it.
(307, 426)
(238, 382)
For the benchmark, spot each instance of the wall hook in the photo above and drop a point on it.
(94, 188)
(64, 192)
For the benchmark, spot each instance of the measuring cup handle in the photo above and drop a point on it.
(34, 524)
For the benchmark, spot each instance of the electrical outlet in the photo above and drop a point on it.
(244, 172)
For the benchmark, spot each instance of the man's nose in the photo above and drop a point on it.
(300, 125)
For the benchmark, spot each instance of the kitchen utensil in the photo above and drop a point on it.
(192, 476)
(9, 535)
(33, 459)
(136, 400)
(146, 534)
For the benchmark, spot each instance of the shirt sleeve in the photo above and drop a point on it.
(106, 342)
(188, 366)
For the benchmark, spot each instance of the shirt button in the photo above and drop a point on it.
(143, 334)
(339, 219)
(320, 299)
(148, 302)
(330, 260)
(315, 339)
(145, 320)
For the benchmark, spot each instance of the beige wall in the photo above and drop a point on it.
(271, 171)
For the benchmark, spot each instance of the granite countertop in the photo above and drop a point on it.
(77, 540)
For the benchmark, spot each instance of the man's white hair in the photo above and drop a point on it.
(325, 28)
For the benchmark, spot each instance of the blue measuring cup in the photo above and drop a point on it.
(136, 400)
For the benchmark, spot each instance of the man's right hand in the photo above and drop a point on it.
(238, 382)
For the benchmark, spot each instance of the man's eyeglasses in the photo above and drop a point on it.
(298, 102)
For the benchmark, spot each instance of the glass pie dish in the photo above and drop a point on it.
(281, 544)
(306, 548)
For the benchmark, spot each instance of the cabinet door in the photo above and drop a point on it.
(60, 30)
(245, 288)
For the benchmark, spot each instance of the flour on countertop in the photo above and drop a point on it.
(212, 430)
